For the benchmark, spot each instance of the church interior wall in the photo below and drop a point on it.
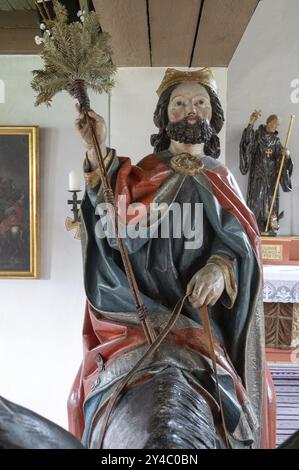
(261, 76)
(41, 320)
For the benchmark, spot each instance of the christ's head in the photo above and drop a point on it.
(189, 100)
(189, 113)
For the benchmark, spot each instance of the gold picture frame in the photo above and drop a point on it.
(19, 202)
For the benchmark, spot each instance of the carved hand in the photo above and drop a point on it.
(206, 286)
(254, 117)
(85, 133)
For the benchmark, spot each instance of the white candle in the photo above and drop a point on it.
(74, 181)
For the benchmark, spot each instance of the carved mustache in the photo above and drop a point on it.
(186, 133)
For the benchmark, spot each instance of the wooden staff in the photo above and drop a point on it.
(109, 198)
(78, 90)
(280, 171)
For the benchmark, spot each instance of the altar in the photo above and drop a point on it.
(281, 306)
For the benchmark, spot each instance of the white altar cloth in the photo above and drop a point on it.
(281, 284)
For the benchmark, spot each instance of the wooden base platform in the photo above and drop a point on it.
(282, 355)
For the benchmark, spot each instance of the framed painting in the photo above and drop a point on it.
(19, 202)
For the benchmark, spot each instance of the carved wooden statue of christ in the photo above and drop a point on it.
(208, 371)
(224, 274)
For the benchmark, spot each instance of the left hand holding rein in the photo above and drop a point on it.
(206, 286)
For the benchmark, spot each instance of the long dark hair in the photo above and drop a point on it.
(161, 141)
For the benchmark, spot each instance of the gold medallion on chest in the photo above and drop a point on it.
(186, 164)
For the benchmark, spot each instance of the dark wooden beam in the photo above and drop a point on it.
(18, 19)
(11, 5)
(18, 41)
(17, 32)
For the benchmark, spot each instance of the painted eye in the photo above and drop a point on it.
(199, 103)
(179, 103)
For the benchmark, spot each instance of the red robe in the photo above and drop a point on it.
(140, 183)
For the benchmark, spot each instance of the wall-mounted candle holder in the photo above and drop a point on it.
(74, 189)
(75, 203)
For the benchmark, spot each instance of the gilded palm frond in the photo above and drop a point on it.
(75, 55)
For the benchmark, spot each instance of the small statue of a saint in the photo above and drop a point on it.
(261, 154)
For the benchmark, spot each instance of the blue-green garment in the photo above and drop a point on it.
(163, 268)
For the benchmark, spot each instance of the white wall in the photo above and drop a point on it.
(41, 320)
(259, 77)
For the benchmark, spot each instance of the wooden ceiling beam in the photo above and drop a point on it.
(222, 25)
(151, 32)
(18, 19)
(11, 5)
(17, 32)
(126, 21)
(18, 41)
(172, 31)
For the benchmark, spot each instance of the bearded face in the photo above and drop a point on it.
(189, 113)
(187, 133)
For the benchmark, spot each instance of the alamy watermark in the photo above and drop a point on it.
(156, 220)
(295, 93)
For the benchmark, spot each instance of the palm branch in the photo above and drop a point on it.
(76, 56)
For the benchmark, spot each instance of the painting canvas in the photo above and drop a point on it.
(19, 221)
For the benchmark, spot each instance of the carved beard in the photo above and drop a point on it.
(198, 133)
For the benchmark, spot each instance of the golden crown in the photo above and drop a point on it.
(172, 77)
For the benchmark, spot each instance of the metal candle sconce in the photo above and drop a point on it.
(74, 223)
(75, 203)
